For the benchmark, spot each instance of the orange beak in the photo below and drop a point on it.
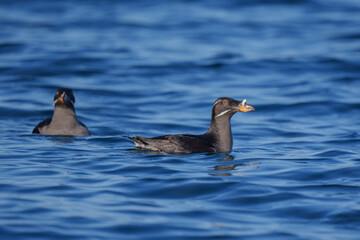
(245, 107)
(61, 98)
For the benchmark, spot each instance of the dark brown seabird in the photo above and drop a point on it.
(218, 138)
(64, 120)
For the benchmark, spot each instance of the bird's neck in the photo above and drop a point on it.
(220, 129)
(64, 116)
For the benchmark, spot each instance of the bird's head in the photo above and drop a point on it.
(64, 97)
(226, 107)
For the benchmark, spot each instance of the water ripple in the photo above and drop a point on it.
(152, 68)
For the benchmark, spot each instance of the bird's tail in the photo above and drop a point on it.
(138, 141)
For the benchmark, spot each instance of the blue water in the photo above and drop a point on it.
(155, 67)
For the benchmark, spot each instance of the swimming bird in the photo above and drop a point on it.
(218, 138)
(64, 120)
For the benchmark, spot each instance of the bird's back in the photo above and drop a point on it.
(182, 143)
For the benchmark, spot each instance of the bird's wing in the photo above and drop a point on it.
(88, 132)
(187, 143)
(173, 143)
(41, 125)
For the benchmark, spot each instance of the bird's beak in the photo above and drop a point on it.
(243, 107)
(61, 98)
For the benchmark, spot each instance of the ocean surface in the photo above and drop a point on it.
(150, 68)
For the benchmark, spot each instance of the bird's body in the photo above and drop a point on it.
(180, 143)
(218, 138)
(64, 120)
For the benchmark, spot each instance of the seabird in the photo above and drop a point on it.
(64, 120)
(217, 139)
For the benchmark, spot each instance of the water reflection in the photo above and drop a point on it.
(61, 139)
(144, 151)
(224, 170)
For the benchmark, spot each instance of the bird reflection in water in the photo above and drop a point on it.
(62, 139)
(224, 170)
